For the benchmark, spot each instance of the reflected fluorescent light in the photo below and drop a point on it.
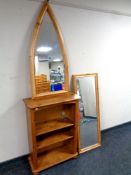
(57, 60)
(44, 49)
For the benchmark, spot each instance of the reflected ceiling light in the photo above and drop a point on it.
(44, 49)
(57, 60)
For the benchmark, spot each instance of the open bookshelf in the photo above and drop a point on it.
(52, 158)
(52, 130)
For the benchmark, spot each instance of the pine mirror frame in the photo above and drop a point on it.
(98, 144)
(47, 8)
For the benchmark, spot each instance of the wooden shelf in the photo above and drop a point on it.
(52, 158)
(53, 139)
(52, 130)
(53, 125)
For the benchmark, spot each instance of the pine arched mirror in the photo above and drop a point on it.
(48, 59)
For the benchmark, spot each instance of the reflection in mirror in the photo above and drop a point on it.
(86, 87)
(49, 64)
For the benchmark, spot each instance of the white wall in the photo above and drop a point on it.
(16, 25)
(115, 6)
(100, 42)
(96, 42)
(43, 68)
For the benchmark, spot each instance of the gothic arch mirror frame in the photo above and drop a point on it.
(47, 8)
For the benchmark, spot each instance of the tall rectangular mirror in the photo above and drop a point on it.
(86, 87)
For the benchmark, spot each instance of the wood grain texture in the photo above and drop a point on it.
(33, 46)
(83, 150)
(31, 136)
(52, 135)
(46, 8)
(48, 147)
(37, 103)
(52, 158)
(52, 125)
(52, 140)
(74, 78)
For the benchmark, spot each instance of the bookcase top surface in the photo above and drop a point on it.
(35, 103)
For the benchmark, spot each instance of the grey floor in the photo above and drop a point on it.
(88, 132)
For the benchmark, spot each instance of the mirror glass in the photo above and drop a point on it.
(49, 64)
(86, 90)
